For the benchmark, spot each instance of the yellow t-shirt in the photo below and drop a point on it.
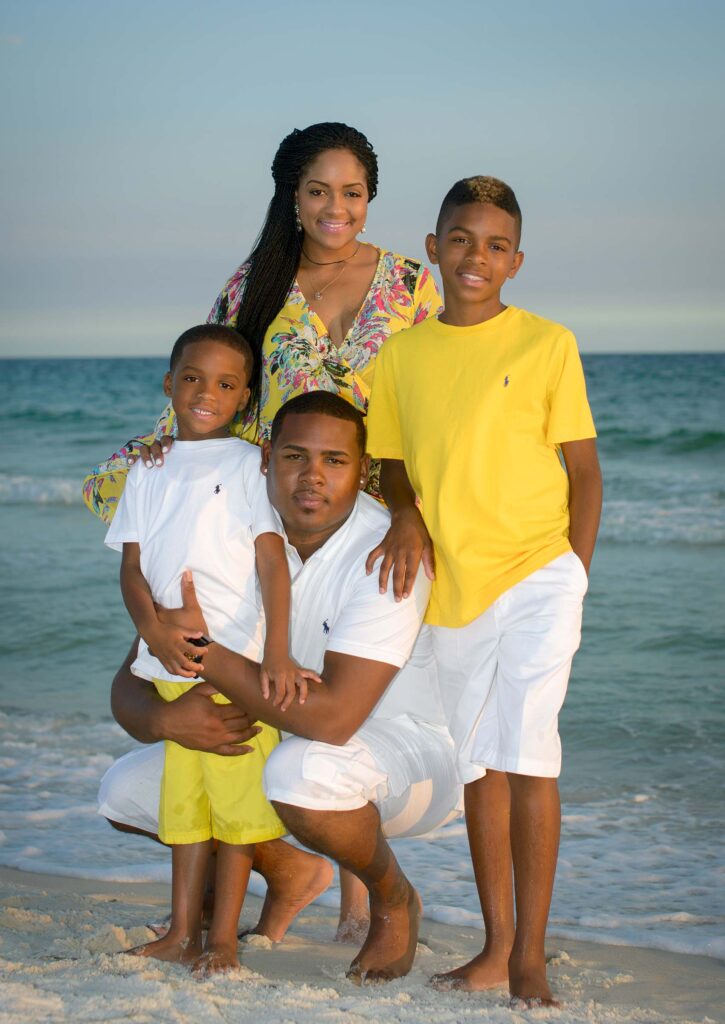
(477, 414)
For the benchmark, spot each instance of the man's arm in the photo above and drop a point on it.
(334, 709)
(585, 496)
(193, 720)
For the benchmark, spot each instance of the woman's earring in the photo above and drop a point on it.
(298, 222)
(363, 229)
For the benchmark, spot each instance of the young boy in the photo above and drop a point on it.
(470, 412)
(207, 511)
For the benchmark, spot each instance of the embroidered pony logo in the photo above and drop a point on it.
(325, 627)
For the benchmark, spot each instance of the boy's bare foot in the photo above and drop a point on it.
(485, 971)
(288, 894)
(529, 987)
(215, 960)
(389, 949)
(352, 929)
(161, 927)
(173, 949)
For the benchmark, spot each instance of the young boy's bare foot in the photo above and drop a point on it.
(485, 971)
(172, 948)
(290, 892)
(529, 987)
(216, 960)
(389, 949)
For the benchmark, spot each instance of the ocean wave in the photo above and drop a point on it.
(28, 490)
(652, 522)
(681, 441)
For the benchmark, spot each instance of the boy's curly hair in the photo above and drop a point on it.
(481, 189)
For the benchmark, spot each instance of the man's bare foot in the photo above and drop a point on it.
(529, 987)
(173, 949)
(289, 893)
(389, 949)
(352, 929)
(215, 960)
(485, 971)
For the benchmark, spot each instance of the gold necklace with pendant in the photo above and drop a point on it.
(317, 295)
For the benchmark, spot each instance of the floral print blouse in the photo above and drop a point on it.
(298, 356)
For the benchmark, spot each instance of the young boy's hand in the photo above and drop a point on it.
(286, 678)
(169, 644)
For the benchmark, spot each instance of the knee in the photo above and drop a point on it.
(284, 767)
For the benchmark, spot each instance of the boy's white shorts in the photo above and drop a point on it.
(406, 768)
(504, 676)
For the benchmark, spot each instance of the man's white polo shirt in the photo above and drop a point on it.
(337, 607)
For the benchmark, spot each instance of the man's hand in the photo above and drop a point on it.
(196, 722)
(189, 617)
(406, 543)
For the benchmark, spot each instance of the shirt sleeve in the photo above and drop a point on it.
(427, 299)
(103, 487)
(377, 627)
(226, 307)
(384, 435)
(124, 527)
(264, 517)
(570, 418)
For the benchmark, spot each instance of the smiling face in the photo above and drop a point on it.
(314, 471)
(477, 250)
(332, 196)
(207, 387)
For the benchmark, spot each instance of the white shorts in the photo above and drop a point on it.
(504, 676)
(405, 768)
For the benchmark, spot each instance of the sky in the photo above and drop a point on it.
(138, 139)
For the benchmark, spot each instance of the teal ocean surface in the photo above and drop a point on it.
(642, 858)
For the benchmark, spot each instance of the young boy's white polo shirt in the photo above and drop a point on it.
(201, 511)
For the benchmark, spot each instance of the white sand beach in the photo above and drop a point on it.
(60, 940)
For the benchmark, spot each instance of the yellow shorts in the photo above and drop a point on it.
(207, 796)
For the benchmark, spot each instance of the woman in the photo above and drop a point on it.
(313, 300)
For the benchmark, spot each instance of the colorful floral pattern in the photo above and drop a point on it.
(299, 356)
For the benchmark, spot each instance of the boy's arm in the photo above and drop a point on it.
(167, 643)
(407, 542)
(274, 582)
(585, 496)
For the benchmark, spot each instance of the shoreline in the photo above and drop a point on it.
(58, 935)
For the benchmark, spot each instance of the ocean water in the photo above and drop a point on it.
(643, 728)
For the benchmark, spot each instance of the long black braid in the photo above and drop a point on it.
(276, 253)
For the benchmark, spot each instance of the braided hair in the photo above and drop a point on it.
(276, 253)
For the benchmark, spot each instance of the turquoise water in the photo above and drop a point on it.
(642, 854)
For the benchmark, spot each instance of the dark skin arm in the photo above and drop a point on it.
(277, 667)
(585, 496)
(407, 542)
(166, 642)
(193, 720)
(335, 708)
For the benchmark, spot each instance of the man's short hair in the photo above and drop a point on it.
(481, 189)
(326, 404)
(212, 332)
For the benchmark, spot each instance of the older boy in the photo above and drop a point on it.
(470, 412)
